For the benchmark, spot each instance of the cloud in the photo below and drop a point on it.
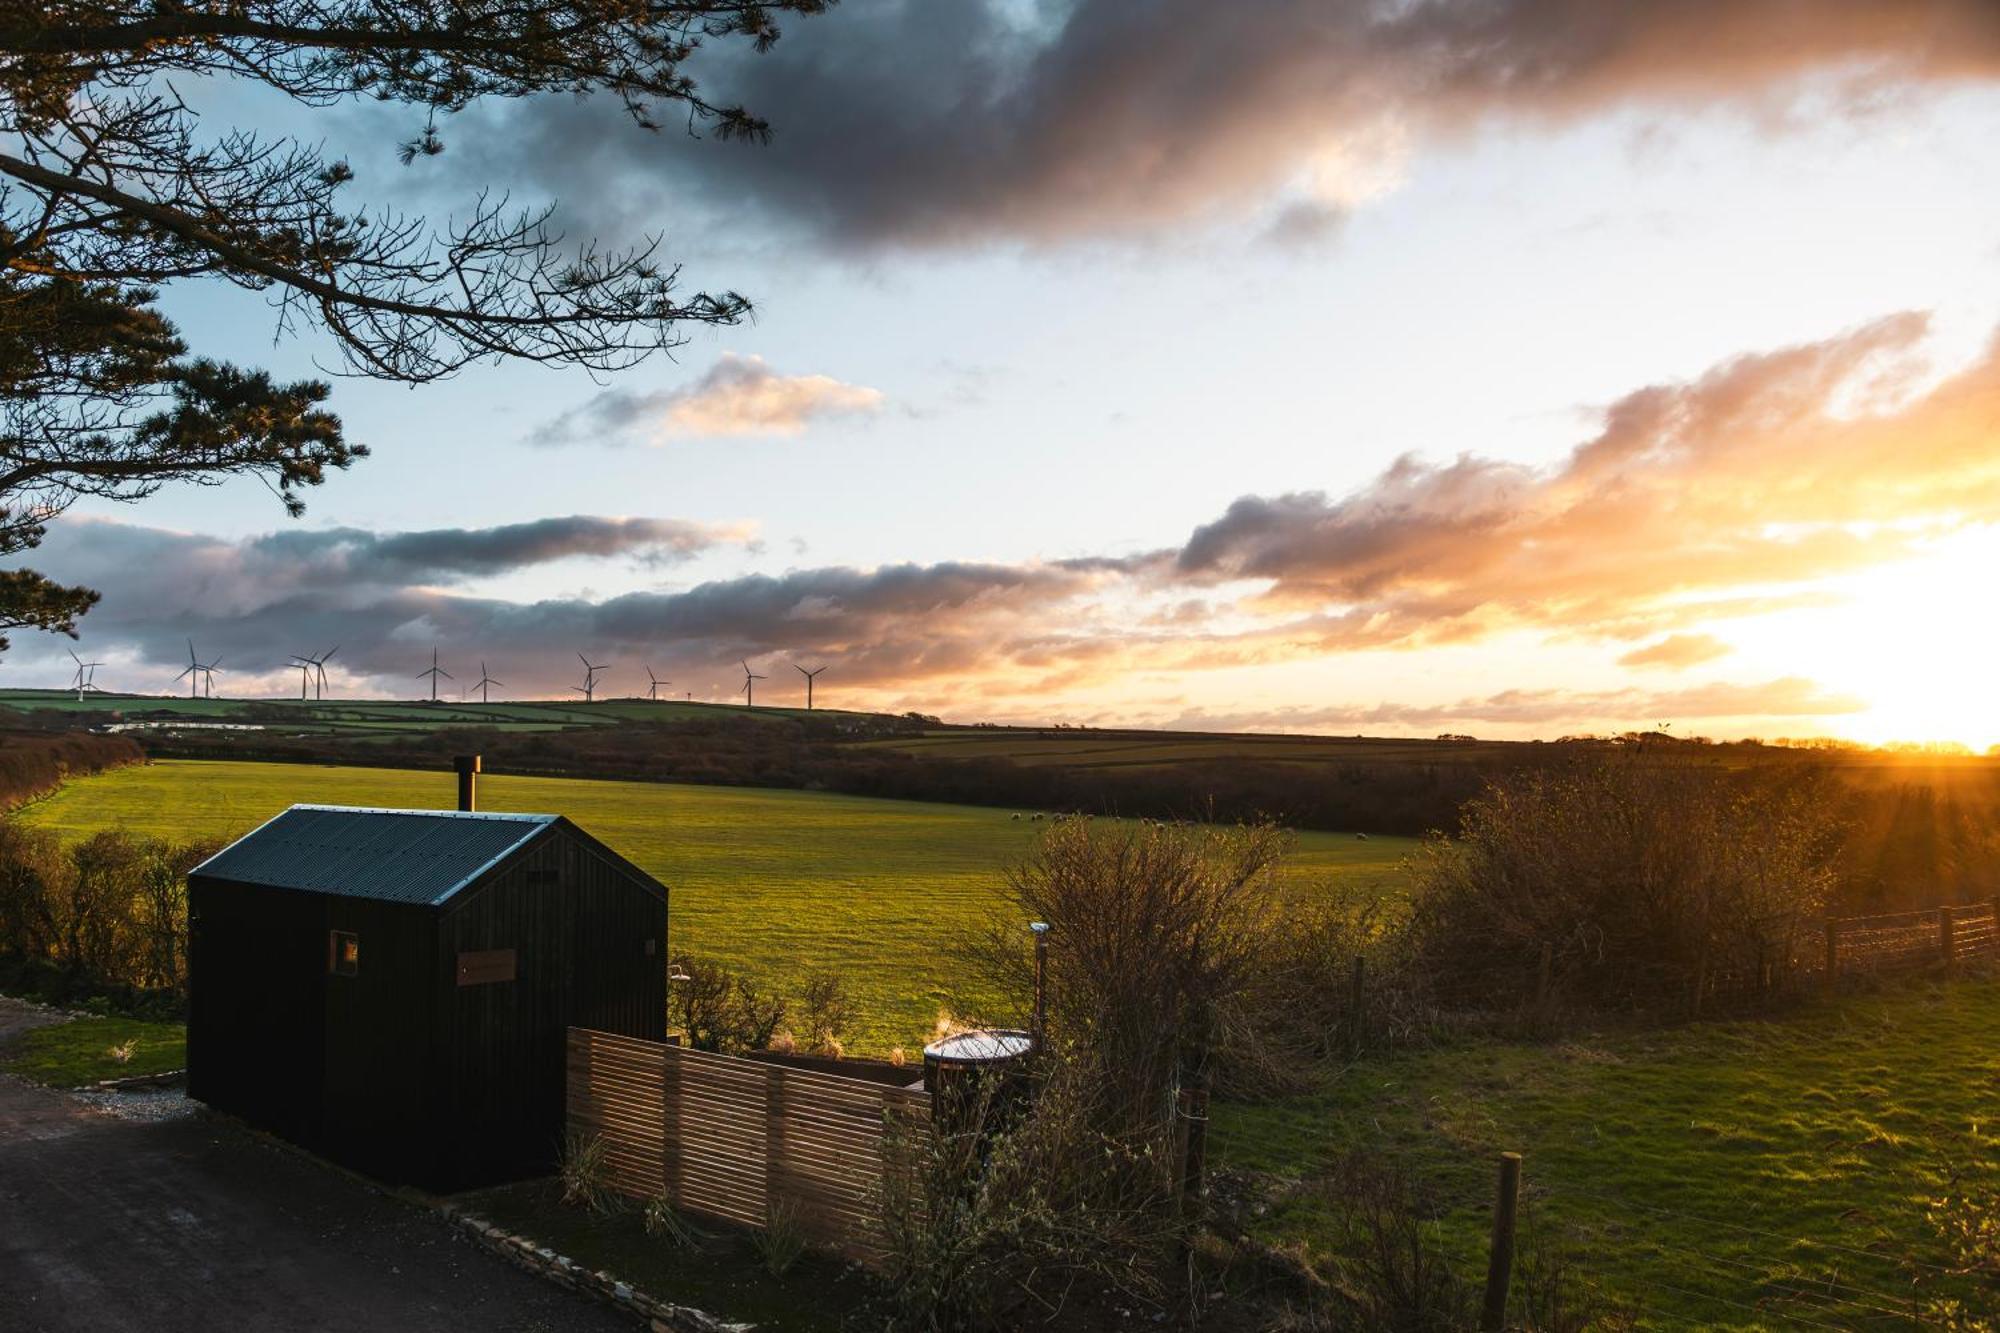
(739, 396)
(1618, 710)
(1727, 495)
(913, 122)
(1677, 651)
(1752, 487)
(253, 601)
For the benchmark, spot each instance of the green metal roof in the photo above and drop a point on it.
(401, 856)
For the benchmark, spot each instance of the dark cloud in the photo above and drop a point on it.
(251, 603)
(911, 121)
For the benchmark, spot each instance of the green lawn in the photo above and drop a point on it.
(1785, 1166)
(773, 881)
(85, 1050)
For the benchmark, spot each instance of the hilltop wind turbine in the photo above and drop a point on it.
(653, 684)
(750, 679)
(319, 672)
(306, 666)
(484, 681)
(590, 669)
(809, 681)
(86, 675)
(208, 670)
(434, 673)
(192, 673)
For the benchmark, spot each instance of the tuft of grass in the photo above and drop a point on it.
(585, 1180)
(777, 885)
(665, 1222)
(87, 1050)
(782, 1242)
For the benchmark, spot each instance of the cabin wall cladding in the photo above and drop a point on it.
(727, 1138)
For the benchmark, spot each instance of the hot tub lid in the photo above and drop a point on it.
(981, 1046)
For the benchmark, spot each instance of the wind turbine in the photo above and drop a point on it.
(306, 666)
(589, 687)
(484, 681)
(750, 679)
(653, 684)
(319, 672)
(192, 673)
(434, 673)
(208, 678)
(86, 674)
(809, 681)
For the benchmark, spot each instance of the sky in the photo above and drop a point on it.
(1515, 368)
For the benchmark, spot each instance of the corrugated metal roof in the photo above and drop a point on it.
(400, 856)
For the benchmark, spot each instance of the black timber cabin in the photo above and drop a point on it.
(392, 988)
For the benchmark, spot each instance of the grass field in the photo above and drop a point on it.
(86, 1050)
(776, 882)
(1771, 1174)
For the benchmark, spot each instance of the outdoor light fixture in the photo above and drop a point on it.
(1041, 929)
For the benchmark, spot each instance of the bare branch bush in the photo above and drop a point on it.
(717, 1009)
(1640, 875)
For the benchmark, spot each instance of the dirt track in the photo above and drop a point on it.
(109, 1224)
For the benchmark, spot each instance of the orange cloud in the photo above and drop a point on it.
(1693, 501)
(1677, 651)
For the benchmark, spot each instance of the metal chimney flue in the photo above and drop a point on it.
(468, 781)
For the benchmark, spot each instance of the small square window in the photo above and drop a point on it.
(343, 953)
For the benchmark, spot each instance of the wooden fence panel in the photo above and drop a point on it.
(615, 1087)
(731, 1139)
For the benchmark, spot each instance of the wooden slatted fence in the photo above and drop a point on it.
(732, 1139)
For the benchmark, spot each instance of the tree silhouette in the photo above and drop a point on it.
(109, 191)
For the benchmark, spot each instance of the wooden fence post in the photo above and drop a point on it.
(1947, 938)
(1832, 949)
(1357, 996)
(1500, 1258)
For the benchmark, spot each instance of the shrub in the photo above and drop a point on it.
(717, 1010)
(989, 1215)
(1639, 875)
(106, 917)
(1154, 930)
(825, 1013)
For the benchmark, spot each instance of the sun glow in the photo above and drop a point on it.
(1919, 640)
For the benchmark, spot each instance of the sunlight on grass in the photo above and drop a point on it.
(777, 882)
(69, 1055)
(1741, 1162)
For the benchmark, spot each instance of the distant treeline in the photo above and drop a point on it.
(35, 763)
(1363, 795)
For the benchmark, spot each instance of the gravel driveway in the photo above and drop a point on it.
(187, 1222)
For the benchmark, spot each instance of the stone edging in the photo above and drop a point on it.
(164, 1079)
(524, 1252)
